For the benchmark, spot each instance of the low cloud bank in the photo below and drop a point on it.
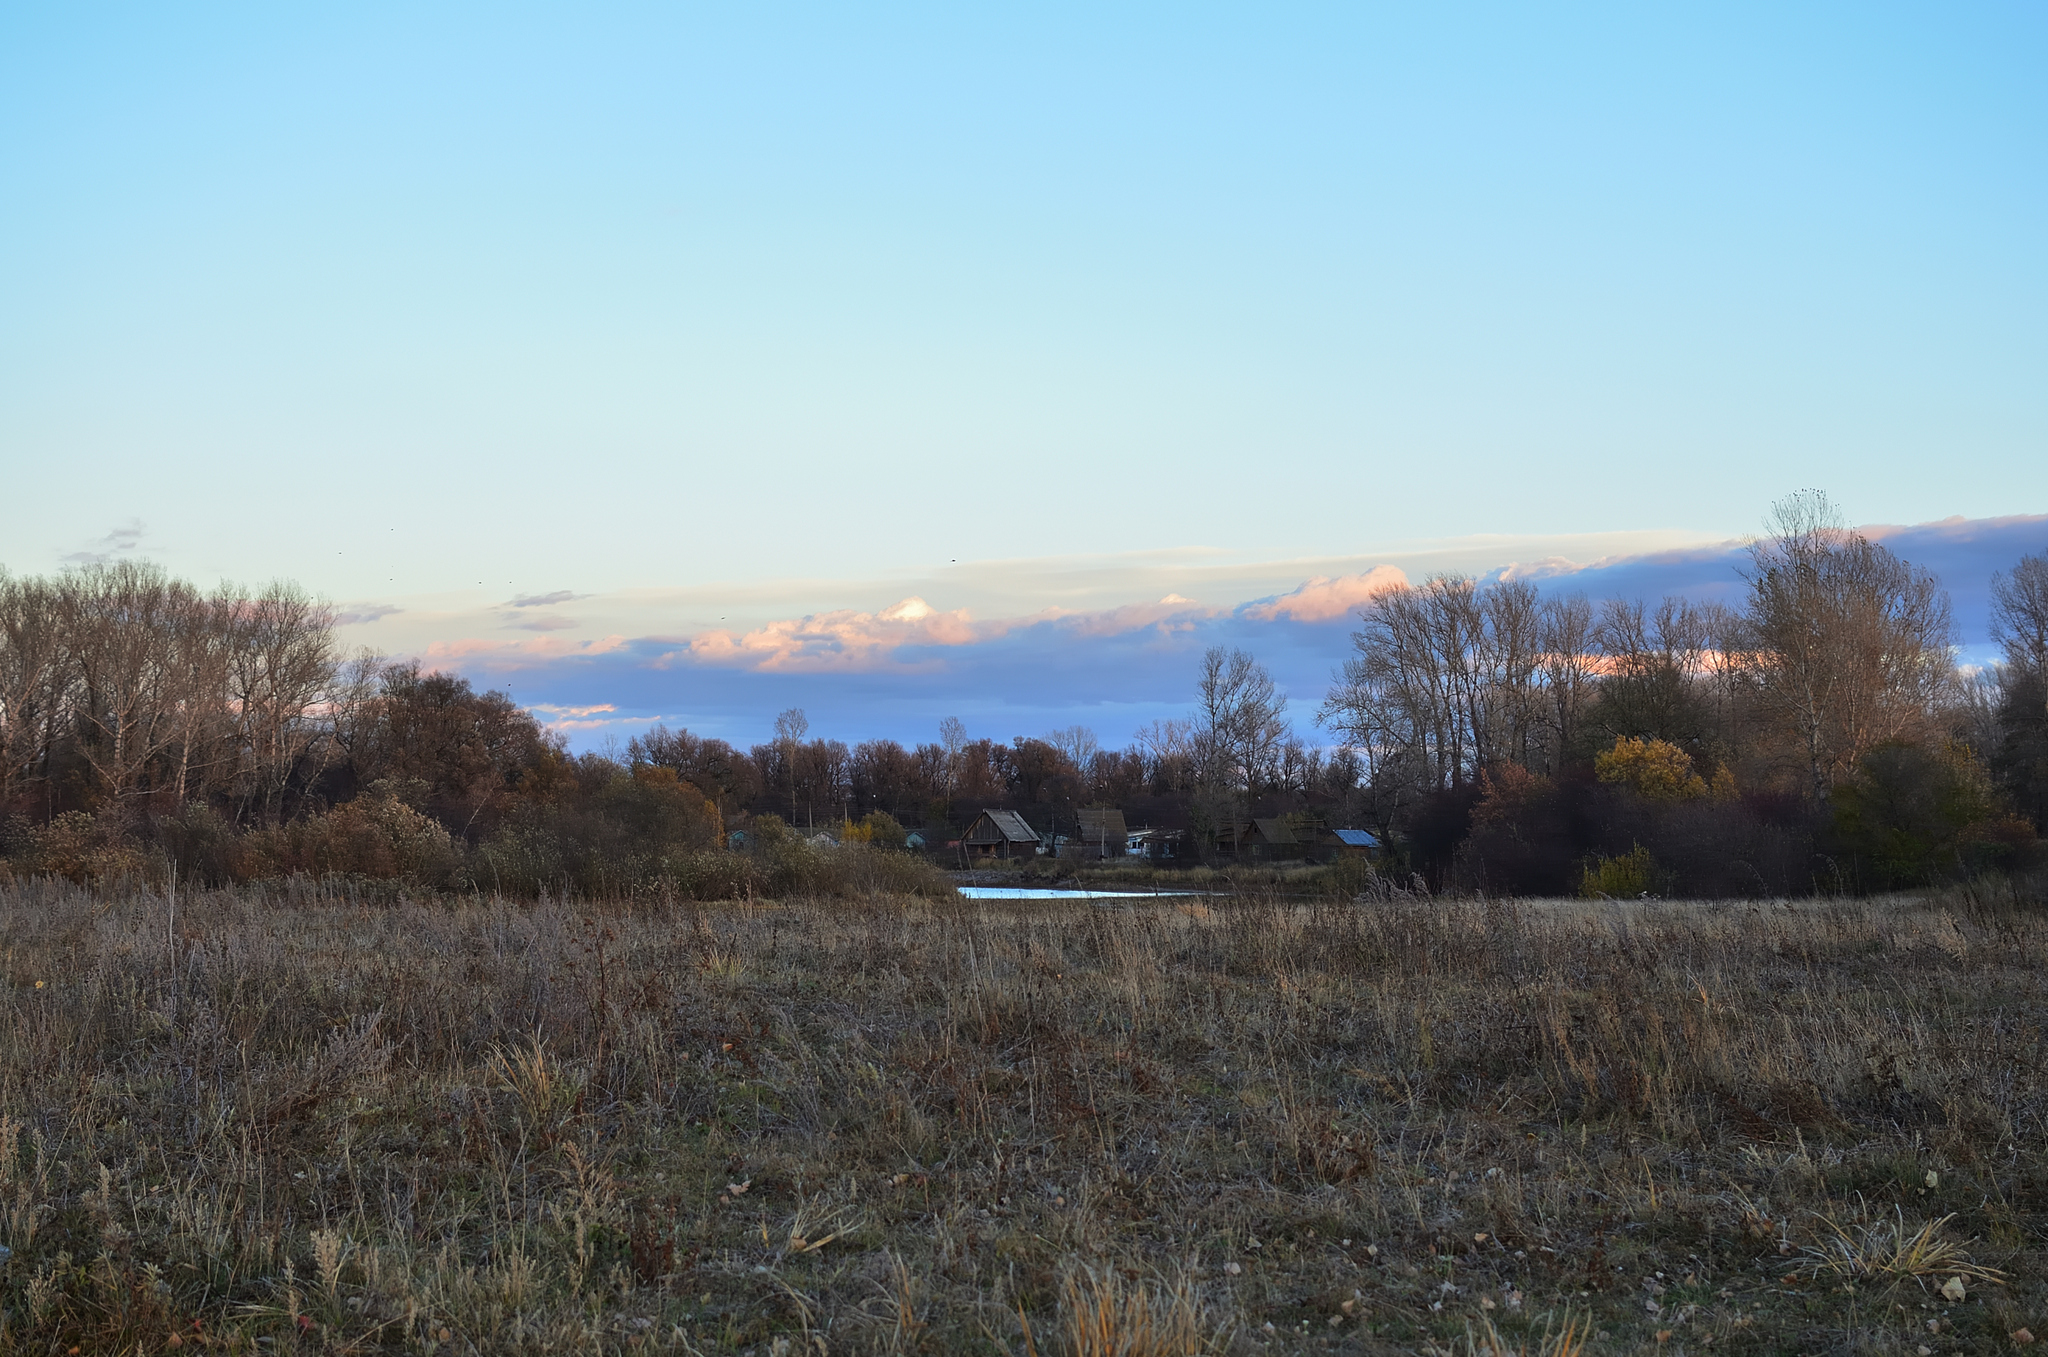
(897, 670)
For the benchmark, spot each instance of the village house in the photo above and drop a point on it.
(1259, 840)
(1350, 843)
(1159, 845)
(999, 835)
(1294, 838)
(1102, 834)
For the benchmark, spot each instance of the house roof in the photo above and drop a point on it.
(1103, 823)
(1274, 831)
(1008, 826)
(1356, 838)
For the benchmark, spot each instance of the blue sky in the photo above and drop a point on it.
(756, 313)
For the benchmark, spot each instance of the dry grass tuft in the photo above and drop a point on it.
(1570, 1341)
(1103, 1314)
(1881, 1246)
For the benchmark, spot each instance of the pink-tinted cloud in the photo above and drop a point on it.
(515, 654)
(846, 640)
(1324, 599)
(1955, 527)
(1170, 614)
(840, 640)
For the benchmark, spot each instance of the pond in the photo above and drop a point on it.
(1047, 893)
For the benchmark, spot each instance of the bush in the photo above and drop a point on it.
(878, 829)
(1632, 875)
(714, 876)
(372, 836)
(205, 848)
(84, 848)
(790, 866)
(1350, 874)
(629, 836)
(854, 869)
(1914, 815)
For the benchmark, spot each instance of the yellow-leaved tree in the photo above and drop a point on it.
(1656, 770)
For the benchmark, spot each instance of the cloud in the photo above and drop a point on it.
(1324, 599)
(1170, 614)
(369, 613)
(894, 637)
(546, 622)
(545, 600)
(1549, 568)
(1064, 647)
(595, 717)
(124, 538)
(518, 654)
(841, 639)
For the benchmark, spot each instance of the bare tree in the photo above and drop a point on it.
(280, 669)
(2019, 613)
(1077, 743)
(35, 672)
(1446, 679)
(1238, 726)
(1849, 646)
(953, 740)
(2018, 734)
(791, 726)
(128, 623)
(1507, 715)
(1168, 749)
(1569, 673)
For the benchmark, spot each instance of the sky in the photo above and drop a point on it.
(699, 322)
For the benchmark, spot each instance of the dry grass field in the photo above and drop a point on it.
(297, 1121)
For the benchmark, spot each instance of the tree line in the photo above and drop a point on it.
(1820, 735)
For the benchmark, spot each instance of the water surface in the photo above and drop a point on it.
(1048, 893)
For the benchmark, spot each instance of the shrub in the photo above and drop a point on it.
(713, 876)
(84, 848)
(372, 836)
(788, 865)
(878, 828)
(204, 847)
(855, 869)
(626, 838)
(1632, 874)
(1914, 815)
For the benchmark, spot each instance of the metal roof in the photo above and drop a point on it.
(1356, 838)
(1007, 823)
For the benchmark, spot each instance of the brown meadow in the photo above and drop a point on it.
(302, 1119)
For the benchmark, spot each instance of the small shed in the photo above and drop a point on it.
(997, 834)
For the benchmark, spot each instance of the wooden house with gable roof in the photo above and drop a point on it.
(998, 835)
